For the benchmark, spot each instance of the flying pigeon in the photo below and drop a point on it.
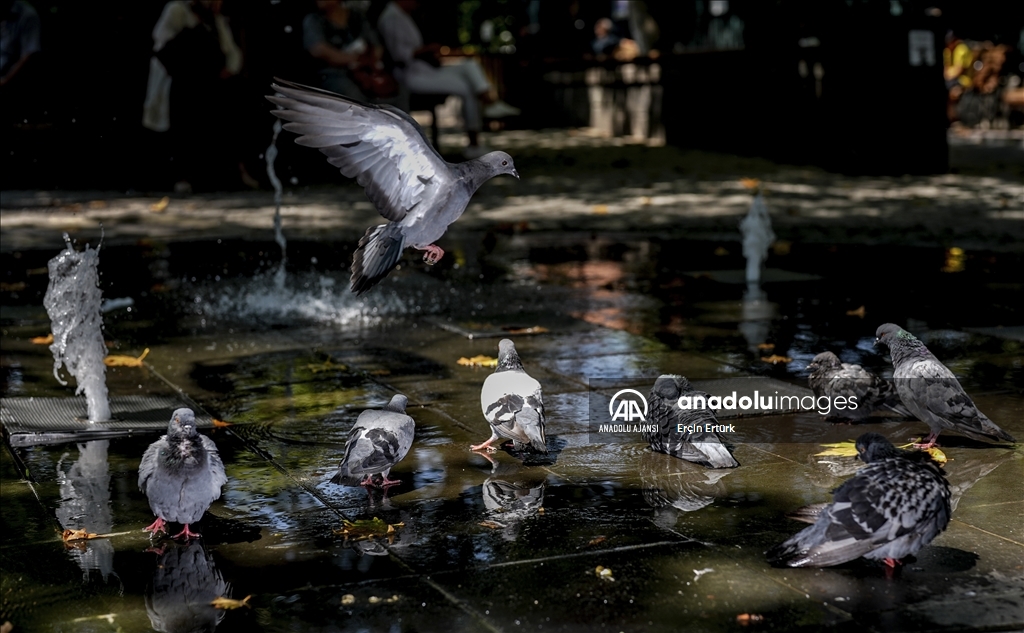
(181, 474)
(512, 403)
(404, 177)
(931, 392)
(378, 440)
(702, 447)
(889, 510)
(834, 379)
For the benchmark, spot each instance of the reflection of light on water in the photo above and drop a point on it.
(955, 260)
(311, 298)
(85, 504)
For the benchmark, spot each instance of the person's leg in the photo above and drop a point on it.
(448, 80)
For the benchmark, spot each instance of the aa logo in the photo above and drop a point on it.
(628, 405)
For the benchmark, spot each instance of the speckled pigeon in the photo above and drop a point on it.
(377, 442)
(834, 379)
(385, 150)
(700, 447)
(181, 474)
(512, 403)
(889, 510)
(931, 392)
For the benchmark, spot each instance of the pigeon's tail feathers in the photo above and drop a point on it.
(378, 252)
(344, 478)
(813, 548)
(716, 455)
(808, 514)
(532, 424)
(988, 430)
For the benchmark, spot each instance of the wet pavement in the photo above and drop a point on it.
(627, 285)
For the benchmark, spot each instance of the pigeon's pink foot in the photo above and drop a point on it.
(367, 481)
(928, 442)
(156, 527)
(892, 562)
(485, 445)
(187, 533)
(385, 482)
(432, 254)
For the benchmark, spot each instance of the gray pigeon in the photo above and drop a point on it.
(889, 510)
(931, 392)
(385, 150)
(834, 379)
(378, 440)
(702, 447)
(512, 403)
(181, 474)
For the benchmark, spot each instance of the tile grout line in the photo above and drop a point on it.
(1010, 540)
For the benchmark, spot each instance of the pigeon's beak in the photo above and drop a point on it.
(878, 342)
(515, 173)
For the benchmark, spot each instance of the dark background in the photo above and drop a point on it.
(79, 126)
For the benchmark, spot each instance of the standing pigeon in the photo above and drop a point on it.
(863, 392)
(385, 150)
(378, 440)
(702, 447)
(181, 474)
(890, 509)
(931, 392)
(512, 403)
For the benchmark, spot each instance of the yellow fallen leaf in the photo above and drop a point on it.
(494, 525)
(750, 183)
(604, 573)
(366, 529)
(936, 454)
(479, 361)
(97, 204)
(839, 449)
(220, 423)
(77, 535)
(230, 603)
(782, 247)
(43, 340)
(17, 286)
(348, 599)
(597, 541)
(721, 251)
(158, 207)
(116, 360)
(766, 346)
(599, 209)
(537, 329)
(775, 359)
(859, 312)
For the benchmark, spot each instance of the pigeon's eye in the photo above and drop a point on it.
(504, 163)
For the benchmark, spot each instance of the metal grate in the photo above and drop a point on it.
(31, 421)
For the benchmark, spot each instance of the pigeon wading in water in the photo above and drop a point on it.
(700, 447)
(404, 177)
(931, 392)
(512, 403)
(181, 474)
(834, 379)
(889, 510)
(378, 440)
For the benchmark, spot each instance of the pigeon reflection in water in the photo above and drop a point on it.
(185, 582)
(511, 495)
(672, 486)
(85, 505)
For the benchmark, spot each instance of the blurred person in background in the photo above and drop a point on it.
(191, 93)
(418, 68)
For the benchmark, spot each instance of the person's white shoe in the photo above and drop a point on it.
(475, 151)
(499, 110)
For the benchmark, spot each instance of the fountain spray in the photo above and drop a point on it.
(73, 302)
(271, 156)
(757, 237)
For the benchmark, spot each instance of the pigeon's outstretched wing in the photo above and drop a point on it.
(890, 509)
(381, 147)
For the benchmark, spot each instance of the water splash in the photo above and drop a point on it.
(271, 156)
(73, 301)
(757, 237)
